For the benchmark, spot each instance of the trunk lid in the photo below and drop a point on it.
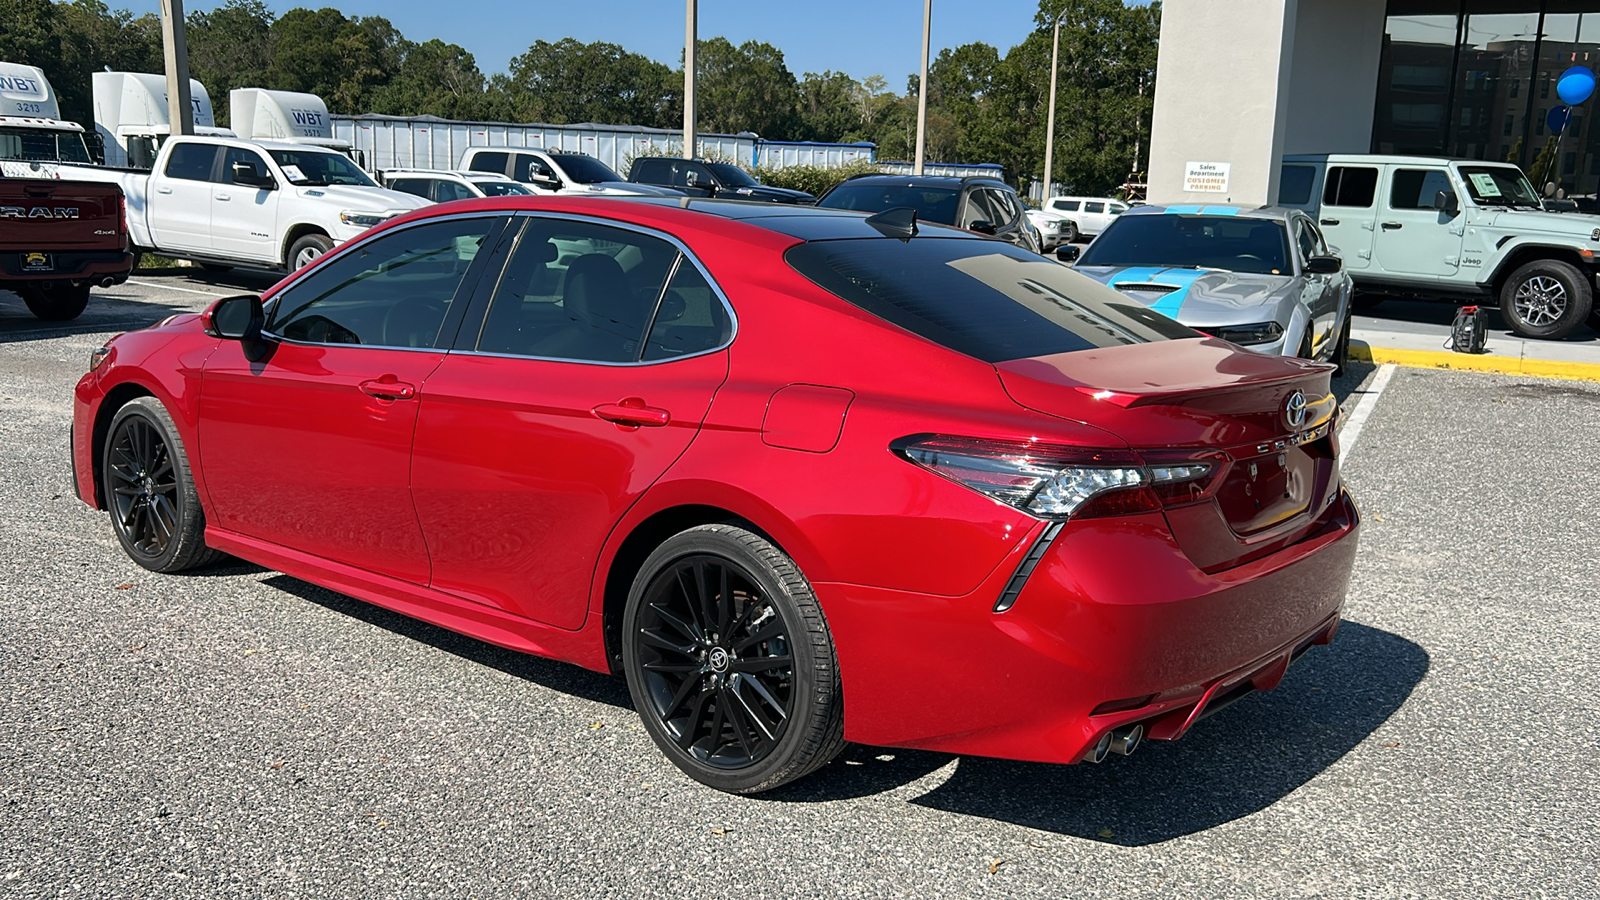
(1274, 457)
(40, 215)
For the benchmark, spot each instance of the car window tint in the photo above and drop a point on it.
(489, 162)
(1294, 184)
(241, 154)
(691, 319)
(1094, 207)
(1353, 186)
(393, 291)
(986, 299)
(1415, 188)
(414, 186)
(1065, 205)
(875, 195)
(1304, 240)
(653, 171)
(1231, 243)
(577, 290)
(977, 209)
(1004, 206)
(191, 162)
(445, 191)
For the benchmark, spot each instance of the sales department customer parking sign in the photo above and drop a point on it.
(1206, 177)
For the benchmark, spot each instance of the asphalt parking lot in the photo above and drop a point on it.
(242, 733)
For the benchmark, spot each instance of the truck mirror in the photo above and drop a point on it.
(245, 173)
(1445, 202)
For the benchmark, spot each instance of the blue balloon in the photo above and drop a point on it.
(1575, 85)
(1556, 120)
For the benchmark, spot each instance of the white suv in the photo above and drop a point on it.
(558, 172)
(441, 186)
(1088, 216)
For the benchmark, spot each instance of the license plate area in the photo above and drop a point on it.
(1266, 489)
(38, 262)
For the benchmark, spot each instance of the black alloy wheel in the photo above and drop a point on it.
(155, 511)
(730, 663)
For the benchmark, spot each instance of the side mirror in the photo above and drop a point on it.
(1323, 265)
(544, 179)
(1068, 253)
(245, 173)
(981, 226)
(239, 318)
(1445, 202)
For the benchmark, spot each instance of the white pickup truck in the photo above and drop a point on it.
(225, 202)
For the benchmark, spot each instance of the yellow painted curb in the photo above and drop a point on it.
(1464, 362)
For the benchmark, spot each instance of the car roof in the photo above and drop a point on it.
(953, 181)
(1278, 213)
(446, 173)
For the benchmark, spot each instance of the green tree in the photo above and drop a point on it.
(343, 60)
(828, 107)
(746, 88)
(230, 47)
(434, 78)
(570, 81)
(31, 35)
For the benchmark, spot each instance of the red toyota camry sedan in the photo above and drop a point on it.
(804, 476)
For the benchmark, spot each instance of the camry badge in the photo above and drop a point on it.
(1294, 411)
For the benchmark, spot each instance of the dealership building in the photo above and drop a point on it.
(1242, 83)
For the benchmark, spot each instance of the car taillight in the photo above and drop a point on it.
(1054, 482)
(122, 213)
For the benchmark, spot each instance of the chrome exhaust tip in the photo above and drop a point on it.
(1126, 740)
(107, 281)
(1101, 748)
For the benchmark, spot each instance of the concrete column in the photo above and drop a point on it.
(1240, 83)
(175, 47)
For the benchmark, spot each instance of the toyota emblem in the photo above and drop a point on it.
(1294, 410)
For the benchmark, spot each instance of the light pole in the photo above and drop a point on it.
(180, 108)
(922, 93)
(1050, 118)
(689, 40)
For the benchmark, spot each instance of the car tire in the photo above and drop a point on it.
(1341, 349)
(56, 303)
(1546, 298)
(150, 494)
(305, 251)
(1069, 232)
(708, 610)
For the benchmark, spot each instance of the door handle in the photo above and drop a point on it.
(163, 190)
(388, 390)
(1330, 221)
(1390, 226)
(632, 411)
(222, 197)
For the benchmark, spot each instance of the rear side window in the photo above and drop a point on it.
(191, 162)
(1094, 207)
(1294, 185)
(489, 162)
(988, 300)
(652, 171)
(1350, 186)
(578, 291)
(1065, 205)
(414, 186)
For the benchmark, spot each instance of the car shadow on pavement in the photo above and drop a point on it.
(1238, 762)
(557, 676)
(107, 312)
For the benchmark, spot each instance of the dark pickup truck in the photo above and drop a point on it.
(58, 239)
(699, 178)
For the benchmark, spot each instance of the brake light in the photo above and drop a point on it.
(122, 213)
(1054, 482)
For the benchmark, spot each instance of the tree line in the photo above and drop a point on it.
(983, 105)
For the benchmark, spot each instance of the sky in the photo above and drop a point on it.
(859, 37)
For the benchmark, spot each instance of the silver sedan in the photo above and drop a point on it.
(1261, 278)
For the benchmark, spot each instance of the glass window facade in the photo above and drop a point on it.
(1477, 79)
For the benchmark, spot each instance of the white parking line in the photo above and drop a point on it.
(1363, 409)
(170, 287)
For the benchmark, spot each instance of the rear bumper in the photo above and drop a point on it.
(71, 266)
(1114, 615)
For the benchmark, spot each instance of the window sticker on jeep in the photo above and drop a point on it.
(1484, 182)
